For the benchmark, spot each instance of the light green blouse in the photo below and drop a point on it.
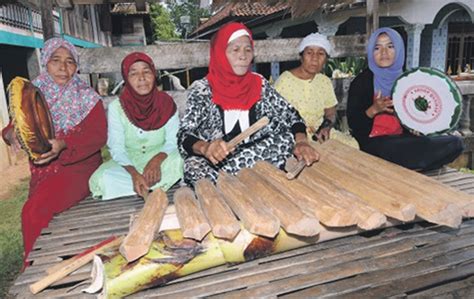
(131, 145)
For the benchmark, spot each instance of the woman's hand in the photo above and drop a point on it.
(12, 140)
(57, 146)
(215, 151)
(324, 134)
(152, 171)
(140, 186)
(380, 105)
(304, 151)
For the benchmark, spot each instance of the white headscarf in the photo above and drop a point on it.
(315, 39)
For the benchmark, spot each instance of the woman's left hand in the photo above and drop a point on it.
(306, 152)
(152, 171)
(57, 146)
(324, 134)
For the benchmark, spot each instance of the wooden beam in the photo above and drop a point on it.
(84, 2)
(191, 219)
(64, 3)
(196, 54)
(140, 5)
(372, 19)
(47, 21)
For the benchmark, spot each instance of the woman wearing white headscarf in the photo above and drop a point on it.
(311, 92)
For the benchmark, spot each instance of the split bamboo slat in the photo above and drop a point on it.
(191, 219)
(138, 241)
(253, 215)
(292, 219)
(222, 220)
(312, 201)
(413, 181)
(367, 217)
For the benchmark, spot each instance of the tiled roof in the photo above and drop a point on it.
(247, 9)
(129, 9)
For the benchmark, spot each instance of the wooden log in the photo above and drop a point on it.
(196, 54)
(372, 196)
(223, 222)
(292, 219)
(191, 219)
(367, 217)
(139, 238)
(429, 206)
(248, 132)
(312, 201)
(413, 181)
(72, 265)
(106, 245)
(253, 215)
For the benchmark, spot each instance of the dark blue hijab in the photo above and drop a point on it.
(384, 77)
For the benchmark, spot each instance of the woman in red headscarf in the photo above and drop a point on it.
(230, 99)
(142, 128)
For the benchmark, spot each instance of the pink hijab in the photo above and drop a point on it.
(68, 104)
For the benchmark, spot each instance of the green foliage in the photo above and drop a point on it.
(350, 65)
(189, 8)
(11, 244)
(163, 26)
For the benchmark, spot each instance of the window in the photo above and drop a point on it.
(127, 25)
(460, 46)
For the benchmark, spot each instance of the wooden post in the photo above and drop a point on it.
(47, 20)
(372, 19)
(5, 159)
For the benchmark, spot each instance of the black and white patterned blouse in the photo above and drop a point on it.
(204, 120)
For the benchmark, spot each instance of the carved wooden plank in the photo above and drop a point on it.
(253, 215)
(223, 222)
(429, 205)
(192, 221)
(311, 201)
(413, 179)
(374, 197)
(138, 241)
(367, 217)
(292, 219)
(196, 54)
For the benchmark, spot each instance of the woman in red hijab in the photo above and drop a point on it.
(230, 99)
(142, 128)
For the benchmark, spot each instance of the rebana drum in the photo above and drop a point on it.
(427, 101)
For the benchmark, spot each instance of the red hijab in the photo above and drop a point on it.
(148, 112)
(230, 91)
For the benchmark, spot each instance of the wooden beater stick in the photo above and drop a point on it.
(294, 167)
(71, 266)
(248, 132)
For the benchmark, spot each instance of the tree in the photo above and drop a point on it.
(188, 8)
(163, 26)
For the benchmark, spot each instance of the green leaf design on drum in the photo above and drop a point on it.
(421, 104)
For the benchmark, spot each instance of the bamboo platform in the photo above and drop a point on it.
(414, 260)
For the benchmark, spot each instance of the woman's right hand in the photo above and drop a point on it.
(380, 105)
(215, 151)
(140, 185)
(12, 140)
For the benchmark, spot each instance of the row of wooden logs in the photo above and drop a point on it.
(345, 188)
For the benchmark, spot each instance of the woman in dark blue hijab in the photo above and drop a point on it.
(371, 117)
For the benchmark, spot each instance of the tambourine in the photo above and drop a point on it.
(31, 117)
(428, 101)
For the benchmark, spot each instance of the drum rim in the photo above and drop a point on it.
(453, 88)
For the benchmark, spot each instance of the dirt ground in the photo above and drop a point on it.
(12, 175)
